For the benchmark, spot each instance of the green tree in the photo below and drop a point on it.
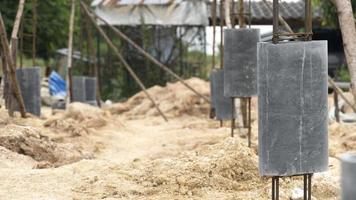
(52, 24)
(345, 10)
(328, 9)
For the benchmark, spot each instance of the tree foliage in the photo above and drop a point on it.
(52, 23)
(328, 9)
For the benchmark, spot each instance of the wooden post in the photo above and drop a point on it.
(214, 30)
(92, 52)
(228, 14)
(126, 65)
(222, 34)
(70, 54)
(336, 104)
(11, 67)
(242, 23)
(17, 23)
(339, 91)
(147, 55)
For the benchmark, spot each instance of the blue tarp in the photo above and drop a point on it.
(57, 85)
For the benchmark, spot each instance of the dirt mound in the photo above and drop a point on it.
(215, 170)
(226, 170)
(174, 100)
(32, 142)
(227, 166)
(9, 159)
(342, 138)
(78, 118)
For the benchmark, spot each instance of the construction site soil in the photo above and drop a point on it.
(127, 151)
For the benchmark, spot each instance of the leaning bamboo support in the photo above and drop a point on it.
(339, 91)
(121, 58)
(12, 68)
(18, 19)
(147, 55)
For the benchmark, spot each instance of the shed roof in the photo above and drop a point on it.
(191, 12)
(262, 15)
(133, 2)
(153, 12)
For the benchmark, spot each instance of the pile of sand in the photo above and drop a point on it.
(226, 170)
(174, 100)
(35, 143)
(342, 138)
(78, 119)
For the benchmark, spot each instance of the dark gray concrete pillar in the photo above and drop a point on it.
(348, 176)
(293, 108)
(29, 79)
(90, 89)
(240, 62)
(222, 104)
(79, 91)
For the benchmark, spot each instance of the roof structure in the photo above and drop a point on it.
(133, 2)
(153, 12)
(192, 12)
(292, 12)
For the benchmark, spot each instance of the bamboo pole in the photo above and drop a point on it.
(339, 91)
(11, 67)
(126, 65)
(9, 98)
(242, 23)
(222, 2)
(70, 54)
(92, 52)
(15, 30)
(214, 29)
(147, 55)
(227, 14)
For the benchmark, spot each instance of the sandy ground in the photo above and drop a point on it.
(126, 151)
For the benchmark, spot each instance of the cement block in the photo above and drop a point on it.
(348, 176)
(90, 89)
(293, 108)
(29, 80)
(240, 62)
(79, 91)
(223, 105)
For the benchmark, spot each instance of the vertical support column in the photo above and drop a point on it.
(307, 186)
(232, 116)
(275, 188)
(308, 20)
(275, 21)
(249, 122)
(348, 176)
(336, 104)
(222, 34)
(70, 52)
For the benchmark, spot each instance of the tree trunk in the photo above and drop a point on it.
(348, 30)
(15, 89)
(242, 23)
(70, 54)
(228, 14)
